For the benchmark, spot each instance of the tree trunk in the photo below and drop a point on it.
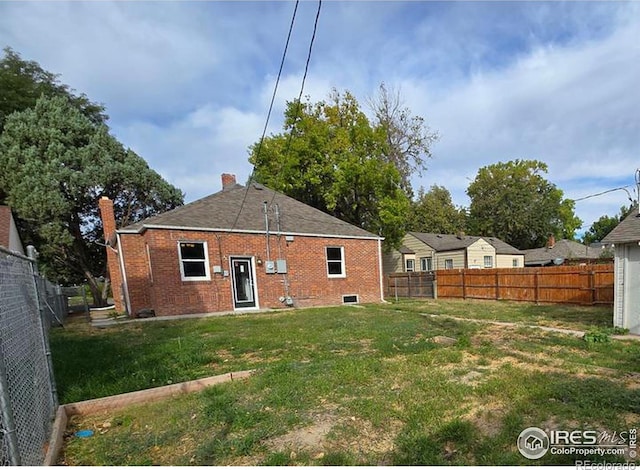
(95, 290)
(105, 291)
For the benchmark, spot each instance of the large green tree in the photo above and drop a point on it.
(434, 212)
(513, 201)
(331, 157)
(56, 164)
(605, 224)
(22, 82)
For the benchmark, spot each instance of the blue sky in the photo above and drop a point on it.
(187, 84)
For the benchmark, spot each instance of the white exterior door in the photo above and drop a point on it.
(243, 280)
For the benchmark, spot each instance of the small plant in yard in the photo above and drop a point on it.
(597, 335)
(603, 335)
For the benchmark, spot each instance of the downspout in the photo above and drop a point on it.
(266, 228)
(380, 269)
(125, 284)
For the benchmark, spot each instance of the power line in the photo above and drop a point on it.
(273, 98)
(621, 188)
(304, 79)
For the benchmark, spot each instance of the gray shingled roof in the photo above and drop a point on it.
(447, 242)
(626, 231)
(502, 248)
(219, 211)
(565, 249)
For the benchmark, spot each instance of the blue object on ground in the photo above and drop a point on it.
(84, 433)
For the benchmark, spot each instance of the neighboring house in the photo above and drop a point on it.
(242, 248)
(433, 251)
(562, 252)
(9, 236)
(625, 239)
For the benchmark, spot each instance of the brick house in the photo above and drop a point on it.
(241, 248)
(9, 236)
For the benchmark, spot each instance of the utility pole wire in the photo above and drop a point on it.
(266, 124)
(304, 79)
(621, 188)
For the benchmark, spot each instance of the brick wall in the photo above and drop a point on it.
(5, 225)
(154, 281)
(109, 229)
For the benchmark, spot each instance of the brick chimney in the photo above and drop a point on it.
(228, 180)
(551, 242)
(109, 228)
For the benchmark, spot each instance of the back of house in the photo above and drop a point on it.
(243, 248)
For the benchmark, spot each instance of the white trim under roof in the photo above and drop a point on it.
(254, 232)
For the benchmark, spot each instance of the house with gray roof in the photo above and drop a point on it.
(625, 239)
(562, 252)
(433, 251)
(242, 248)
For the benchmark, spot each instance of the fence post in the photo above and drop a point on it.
(409, 285)
(464, 286)
(535, 283)
(44, 336)
(435, 287)
(84, 301)
(592, 286)
(6, 411)
(497, 286)
(395, 287)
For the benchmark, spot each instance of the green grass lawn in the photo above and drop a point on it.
(348, 385)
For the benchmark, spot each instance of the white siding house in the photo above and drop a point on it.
(433, 251)
(625, 239)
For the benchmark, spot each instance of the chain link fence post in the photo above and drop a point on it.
(44, 328)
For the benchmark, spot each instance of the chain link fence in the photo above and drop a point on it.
(29, 305)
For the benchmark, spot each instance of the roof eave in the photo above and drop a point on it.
(143, 228)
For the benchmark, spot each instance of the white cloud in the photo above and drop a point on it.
(188, 83)
(574, 107)
(195, 150)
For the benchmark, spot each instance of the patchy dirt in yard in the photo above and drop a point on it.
(487, 418)
(360, 437)
(631, 419)
(632, 380)
(362, 346)
(472, 378)
(330, 432)
(309, 438)
(492, 334)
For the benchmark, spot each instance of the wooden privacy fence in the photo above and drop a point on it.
(585, 285)
(410, 285)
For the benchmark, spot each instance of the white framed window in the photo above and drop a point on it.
(194, 261)
(448, 263)
(409, 265)
(335, 261)
(426, 264)
(514, 263)
(488, 261)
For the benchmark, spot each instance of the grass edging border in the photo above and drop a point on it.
(116, 402)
